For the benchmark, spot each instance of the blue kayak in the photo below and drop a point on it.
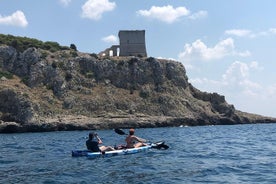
(89, 154)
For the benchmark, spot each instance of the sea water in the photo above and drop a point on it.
(204, 154)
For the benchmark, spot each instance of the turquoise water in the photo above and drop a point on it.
(209, 154)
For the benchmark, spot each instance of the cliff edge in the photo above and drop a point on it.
(42, 90)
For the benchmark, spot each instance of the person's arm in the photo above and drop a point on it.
(140, 139)
(99, 139)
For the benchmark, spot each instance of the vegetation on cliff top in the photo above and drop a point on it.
(23, 43)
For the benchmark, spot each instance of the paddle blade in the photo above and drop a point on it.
(119, 131)
(165, 146)
(160, 145)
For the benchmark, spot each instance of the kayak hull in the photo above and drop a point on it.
(88, 154)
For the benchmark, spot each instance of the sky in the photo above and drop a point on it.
(227, 47)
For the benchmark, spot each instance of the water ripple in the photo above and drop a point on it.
(211, 154)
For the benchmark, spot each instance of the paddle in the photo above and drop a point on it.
(119, 131)
(157, 145)
(160, 145)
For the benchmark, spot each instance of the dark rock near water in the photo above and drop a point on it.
(64, 91)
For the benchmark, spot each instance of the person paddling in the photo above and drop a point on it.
(134, 141)
(93, 142)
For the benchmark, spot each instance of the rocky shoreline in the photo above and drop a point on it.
(42, 90)
(72, 123)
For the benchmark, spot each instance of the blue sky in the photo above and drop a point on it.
(228, 47)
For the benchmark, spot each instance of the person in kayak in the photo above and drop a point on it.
(93, 142)
(134, 141)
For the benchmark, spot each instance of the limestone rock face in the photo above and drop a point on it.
(8, 57)
(19, 63)
(49, 88)
(15, 107)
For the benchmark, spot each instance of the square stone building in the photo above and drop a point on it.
(132, 43)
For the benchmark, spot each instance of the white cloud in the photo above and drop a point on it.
(240, 90)
(65, 2)
(243, 54)
(93, 9)
(198, 51)
(167, 14)
(272, 30)
(237, 82)
(110, 39)
(255, 65)
(198, 15)
(238, 32)
(16, 19)
(272, 91)
(249, 33)
(235, 78)
(236, 73)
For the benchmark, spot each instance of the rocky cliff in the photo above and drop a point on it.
(68, 90)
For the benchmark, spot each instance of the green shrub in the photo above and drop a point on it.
(89, 74)
(64, 48)
(145, 92)
(23, 43)
(49, 87)
(44, 54)
(94, 55)
(60, 65)
(54, 64)
(6, 74)
(64, 55)
(52, 46)
(73, 53)
(68, 76)
(25, 79)
(73, 46)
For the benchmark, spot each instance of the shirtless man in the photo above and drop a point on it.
(134, 141)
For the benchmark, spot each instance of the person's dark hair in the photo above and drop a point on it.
(131, 131)
(91, 135)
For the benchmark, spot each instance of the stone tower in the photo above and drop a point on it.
(132, 43)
